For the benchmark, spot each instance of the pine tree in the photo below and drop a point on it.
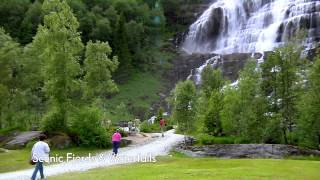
(121, 49)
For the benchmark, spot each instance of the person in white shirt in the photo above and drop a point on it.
(40, 153)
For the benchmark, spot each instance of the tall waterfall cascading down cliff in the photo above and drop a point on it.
(248, 26)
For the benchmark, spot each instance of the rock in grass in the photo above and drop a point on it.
(21, 140)
(60, 141)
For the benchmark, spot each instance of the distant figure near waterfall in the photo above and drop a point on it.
(116, 139)
(162, 124)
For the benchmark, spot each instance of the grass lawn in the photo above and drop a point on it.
(137, 95)
(185, 168)
(19, 159)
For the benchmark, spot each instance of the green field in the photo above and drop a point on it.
(185, 168)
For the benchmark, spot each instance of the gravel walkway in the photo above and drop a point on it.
(138, 153)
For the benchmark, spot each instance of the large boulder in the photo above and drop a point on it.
(60, 141)
(22, 139)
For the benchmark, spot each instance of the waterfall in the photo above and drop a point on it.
(248, 26)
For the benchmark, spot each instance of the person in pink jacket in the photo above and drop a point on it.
(116, 138)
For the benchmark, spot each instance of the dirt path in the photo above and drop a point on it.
(136, 153)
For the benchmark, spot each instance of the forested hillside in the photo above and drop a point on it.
(60, 60)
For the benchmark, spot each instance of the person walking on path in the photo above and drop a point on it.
(116, 139)
(162, 124)
(39, 154)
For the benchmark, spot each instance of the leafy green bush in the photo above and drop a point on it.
(54, 120)
(168, 127)
(224, 140)
(87, 127)
(206, 139)
(148, 128)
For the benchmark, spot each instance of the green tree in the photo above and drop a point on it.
(309, 117)
(99, 68)
(10, 82)
(280, 72)
(252, 117)
(184, 99)
(212, 116)
(122, 50)
(59, 46)
(12, 13)
(210, 101)
(230, 114)
(33, 17)
(243, 114)
(211, 80)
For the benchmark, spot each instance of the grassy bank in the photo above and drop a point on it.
(135, 96)
(19, 159)
(205, 168)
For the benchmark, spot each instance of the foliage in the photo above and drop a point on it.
(282, 85)
(211, 80)
(135, 97)
(99, 67)
(206, 139)
(60, 45)
(122, 50)
(159, 114)
(309, 105)
(149, 128)
(86, 124)
(183, 101)
(211, 100)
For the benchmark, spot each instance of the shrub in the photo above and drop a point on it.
(206, 139)
(52, 121)
(148, 128)
(87, 126)
(168, 127)
(224, 140)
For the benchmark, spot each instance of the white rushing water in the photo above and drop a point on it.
(229, 26)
